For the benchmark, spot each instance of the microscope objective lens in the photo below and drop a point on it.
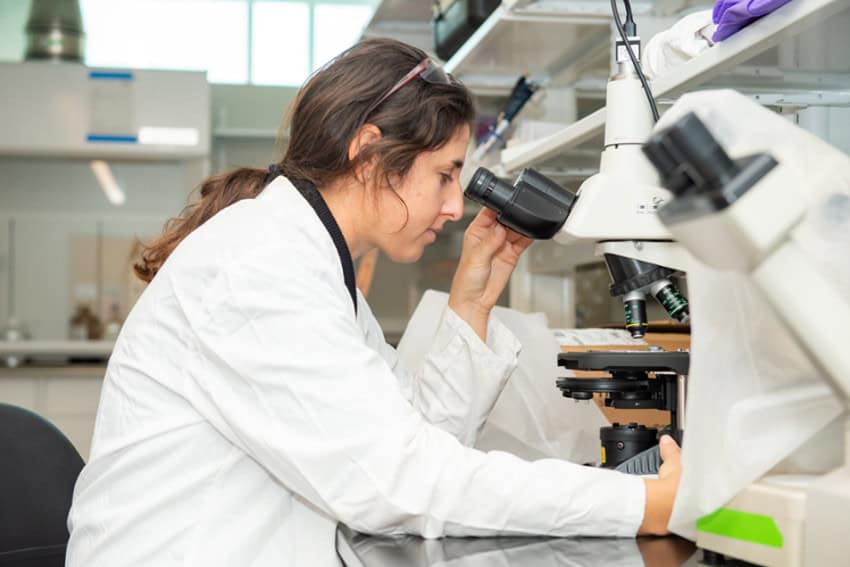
(673, 302)
(635, 313)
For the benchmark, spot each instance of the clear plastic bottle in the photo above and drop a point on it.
(14, 331)
(79, 330)
(113, 324)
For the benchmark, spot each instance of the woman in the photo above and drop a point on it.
(251, 401)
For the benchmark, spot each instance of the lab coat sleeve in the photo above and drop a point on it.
(286, 376)
(460, 378)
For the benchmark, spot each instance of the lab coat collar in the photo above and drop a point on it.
(317, 203)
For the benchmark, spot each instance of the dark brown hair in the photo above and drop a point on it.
(325, 116)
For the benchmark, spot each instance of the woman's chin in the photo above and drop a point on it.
(406, 256)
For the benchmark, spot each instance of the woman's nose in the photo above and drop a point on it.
(454, 206)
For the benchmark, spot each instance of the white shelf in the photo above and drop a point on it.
(406, 20)
(570, 137)
(245, 133)
(768, 32)
(411, 11)
(762, 35)
(547, 38)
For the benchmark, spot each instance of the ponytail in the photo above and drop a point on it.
(217, 192)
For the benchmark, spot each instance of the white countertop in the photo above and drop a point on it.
(56, 371)
(57, 348)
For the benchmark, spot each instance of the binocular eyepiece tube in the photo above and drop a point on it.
(534, 206)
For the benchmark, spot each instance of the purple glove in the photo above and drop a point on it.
(732, 15)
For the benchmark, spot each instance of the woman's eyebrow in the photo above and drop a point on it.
(455, 163)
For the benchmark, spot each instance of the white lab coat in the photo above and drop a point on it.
(246, 410)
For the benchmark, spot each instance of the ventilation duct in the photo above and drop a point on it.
(55, 31)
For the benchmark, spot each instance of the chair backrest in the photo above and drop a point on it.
(38, 470)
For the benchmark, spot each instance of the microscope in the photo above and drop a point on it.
(616, 208)
(676, 204)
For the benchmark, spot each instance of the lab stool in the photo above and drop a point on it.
(38, 469)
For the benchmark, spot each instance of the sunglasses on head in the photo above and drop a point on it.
(427, 70)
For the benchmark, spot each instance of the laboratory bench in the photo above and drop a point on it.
(359, 550)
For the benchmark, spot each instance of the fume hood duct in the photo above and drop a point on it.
(70, 110)
(55, 31)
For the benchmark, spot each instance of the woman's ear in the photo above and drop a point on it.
(367, 134)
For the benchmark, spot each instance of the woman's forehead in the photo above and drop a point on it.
(452, 153)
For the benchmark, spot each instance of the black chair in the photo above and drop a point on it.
(38, 470)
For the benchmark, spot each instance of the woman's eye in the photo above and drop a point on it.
(445, 179)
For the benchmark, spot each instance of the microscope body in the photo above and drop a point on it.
(618, 209)
(621, 201)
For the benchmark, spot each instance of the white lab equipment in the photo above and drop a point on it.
(684, 40)
(770, 231)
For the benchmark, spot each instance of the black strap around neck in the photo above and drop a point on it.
(314, 198)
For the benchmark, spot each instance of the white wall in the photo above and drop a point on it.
(824, 51)
(13, 18)
(52, 201)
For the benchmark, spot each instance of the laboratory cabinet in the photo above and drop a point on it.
(67, 396)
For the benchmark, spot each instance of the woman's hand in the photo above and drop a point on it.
(661, 492)
(490, 254)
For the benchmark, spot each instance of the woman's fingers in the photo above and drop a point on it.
(485, 234)
(484, 218)
(671, 457)
(669, 449)
(519, 242)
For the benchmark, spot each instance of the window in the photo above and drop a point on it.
(336, 28)
(281, 43)
(196, 35)
(267, 42)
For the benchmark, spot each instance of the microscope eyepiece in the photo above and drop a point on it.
(488, 190)
(534, 206)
